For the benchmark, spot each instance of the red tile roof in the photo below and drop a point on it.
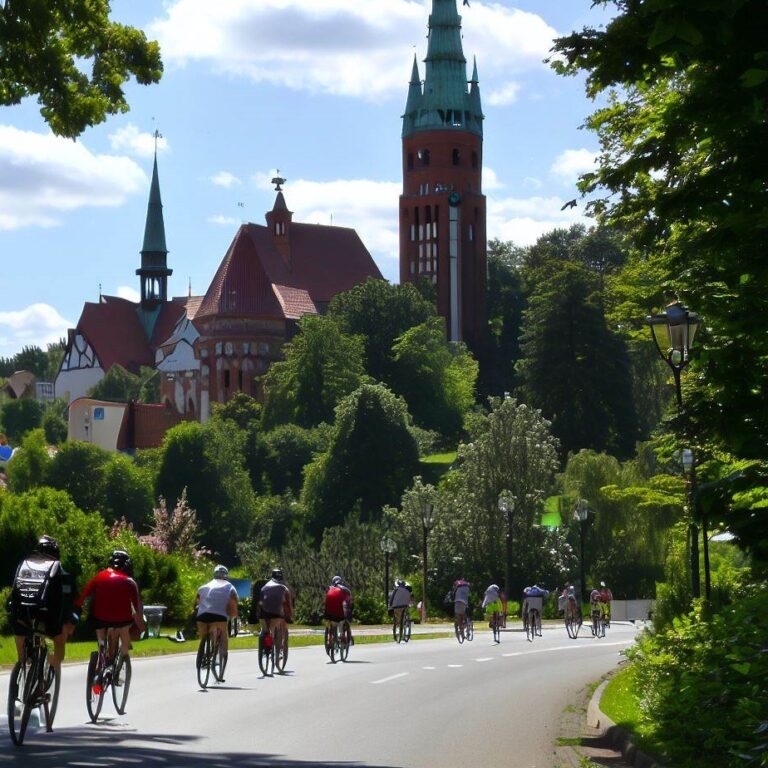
(294, 301)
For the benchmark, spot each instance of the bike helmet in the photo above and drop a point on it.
(494, 586)
(47, 545)
(220, 572)
(336, 580)
(121, 561)
(277, 574)
(399, 583)
(602, 583)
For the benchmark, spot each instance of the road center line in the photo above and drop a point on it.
(455, 666)
(486, 658)
(427, 667)
(387, 679)
(560, 648)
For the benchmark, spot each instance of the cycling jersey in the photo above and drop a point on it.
(491, 597)
(461, 592)
(401, 598)
(337, 600)
(214, 597)
(273, 598)
(115, 598)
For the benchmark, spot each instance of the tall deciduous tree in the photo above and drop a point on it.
(371, 459)
(572, 366)
(380, 313)
(436, 378)
(19, 417)
(322, 364)
(73, 58)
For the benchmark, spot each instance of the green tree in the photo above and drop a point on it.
(207, 460)
(572, 366)
(32, 359)
(74, 59)
(288, 449)
(321, 366)
(380, 312)
(117, 386)
(18, 417)
(126, 492)
(55, 354)
(79, 469)
(242, 409)
(371, 459)
(436, 378)
(680, 171)
(55, 423)
(29, 466)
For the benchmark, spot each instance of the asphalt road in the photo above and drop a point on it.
(426, 704)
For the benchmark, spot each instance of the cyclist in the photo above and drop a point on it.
(400, 598)
(492, 603)
(533, 597)
(460, 602)
(338, 603)
(43, 581)
(216, 601)
(116, 604)
(275, 604)
(595, 609)
(606, 598)
(569, 602)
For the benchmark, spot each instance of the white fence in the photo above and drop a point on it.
(631, 610)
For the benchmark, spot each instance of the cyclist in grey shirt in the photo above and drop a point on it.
(275, 604)
(216, 601)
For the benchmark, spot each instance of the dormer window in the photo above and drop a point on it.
(279, 228)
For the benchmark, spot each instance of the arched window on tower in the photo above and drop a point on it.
(457, 157)
(424, 156)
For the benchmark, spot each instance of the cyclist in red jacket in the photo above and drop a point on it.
(338, 602)
(115, 602)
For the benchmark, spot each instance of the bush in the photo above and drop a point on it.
(5, 624)
(716, 667)
(368, 609)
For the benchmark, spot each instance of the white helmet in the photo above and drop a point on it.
(220, 572)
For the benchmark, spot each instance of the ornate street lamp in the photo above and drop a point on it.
(581, 512)
(507, 508)
(688, 460)
(427, 520)
(673, 331)
(388, 546)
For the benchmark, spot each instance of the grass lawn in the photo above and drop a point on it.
(162, 646)
(621, 703)
(440, 458)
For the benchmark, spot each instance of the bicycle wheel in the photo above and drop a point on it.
(281, 648)
(397, 630)
(51, 696)
(330, 642)
(218, 659)
(203, 661)
(16, 687)
(344, 640)
(406, 628)
(496, 628)
(469, 630)
(459, 630)
(121, 683)
(94, 686)
(530, 626)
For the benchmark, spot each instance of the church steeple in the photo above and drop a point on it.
(445, 102)
(154, 271)
(279, 221)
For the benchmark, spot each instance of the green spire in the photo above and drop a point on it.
(154, 230)
(414, 99)
(445, 102)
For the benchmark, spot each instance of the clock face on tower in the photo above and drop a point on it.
(454, 199)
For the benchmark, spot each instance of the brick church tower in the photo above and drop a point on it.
(442, 208)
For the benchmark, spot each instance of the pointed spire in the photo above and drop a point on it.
(154, 230)
(445, 102)
(475, 107)
(414, 99)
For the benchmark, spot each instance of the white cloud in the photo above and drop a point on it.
(35, 325)
(524, 220)
(568, 165)
(225, 179)
(505, 95)
(346, 47)
(125, 292)
(531, 182)
(490, 180)
(43, 176)
(226, 221)
(130, 139)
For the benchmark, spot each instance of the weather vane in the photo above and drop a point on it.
(278, 181)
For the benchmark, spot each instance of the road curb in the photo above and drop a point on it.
(619, 738)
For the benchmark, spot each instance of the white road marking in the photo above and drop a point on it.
(387, 679)
(486, 658)
(559, 648)
(427, 667)
(455, 666)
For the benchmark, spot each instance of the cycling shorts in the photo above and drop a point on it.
(494, 607)
(459, 608)
(49, 628)
(210, 618)
(332, 617)
(111, 624)
(266, 615)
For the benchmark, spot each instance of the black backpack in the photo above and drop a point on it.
(37, 589)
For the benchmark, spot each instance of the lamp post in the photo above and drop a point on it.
(427, 517)
(673, 331)
(581, 513)
(507, 508)
(388, 546)
(688, 461)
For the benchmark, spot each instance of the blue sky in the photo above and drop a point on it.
(315, 88)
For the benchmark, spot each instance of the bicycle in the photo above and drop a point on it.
(532, 617)
(273, 650)
(210, 659)
(495, 624)
(401, 630)
(573, 620)
(105, 671)
(34, 683)
(337, 640)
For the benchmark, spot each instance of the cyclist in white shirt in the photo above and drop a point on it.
(400, 598)
(460, 601)
(216, 602)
